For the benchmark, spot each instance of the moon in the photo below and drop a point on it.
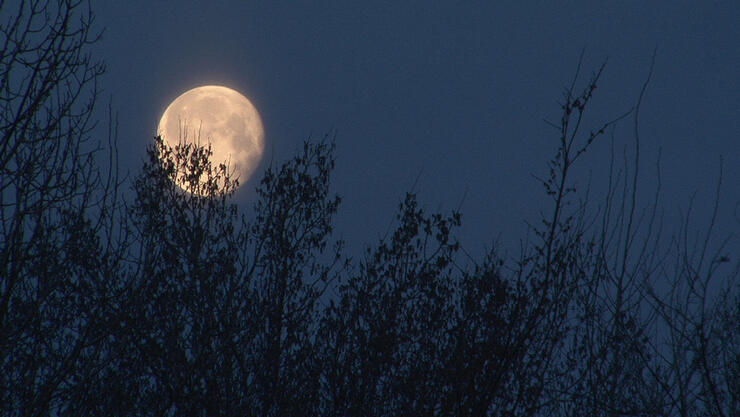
(221, 117)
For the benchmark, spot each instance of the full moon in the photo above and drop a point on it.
(221, 117)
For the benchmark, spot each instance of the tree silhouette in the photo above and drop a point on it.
(382, 339)
(218, 314)
(60, 244)
(174, 302)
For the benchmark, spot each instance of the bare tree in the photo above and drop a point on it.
(572, 327)
(696, 309)
(646, 338)
(58, 234)
(219, 314)
(382, 339)
(177, 304)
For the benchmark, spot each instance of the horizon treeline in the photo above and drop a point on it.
(161, 302)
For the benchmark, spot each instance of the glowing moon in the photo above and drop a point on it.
(221, 117)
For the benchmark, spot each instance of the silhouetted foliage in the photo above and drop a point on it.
(219, 310)
(383, 338)
(176, 303)
(60, 241)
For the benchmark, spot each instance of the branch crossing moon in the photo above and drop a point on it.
(221, 117)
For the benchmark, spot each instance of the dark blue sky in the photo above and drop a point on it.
(454, 92)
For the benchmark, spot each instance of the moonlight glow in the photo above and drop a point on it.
(221, 117)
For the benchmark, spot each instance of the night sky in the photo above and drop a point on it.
(452, 93)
